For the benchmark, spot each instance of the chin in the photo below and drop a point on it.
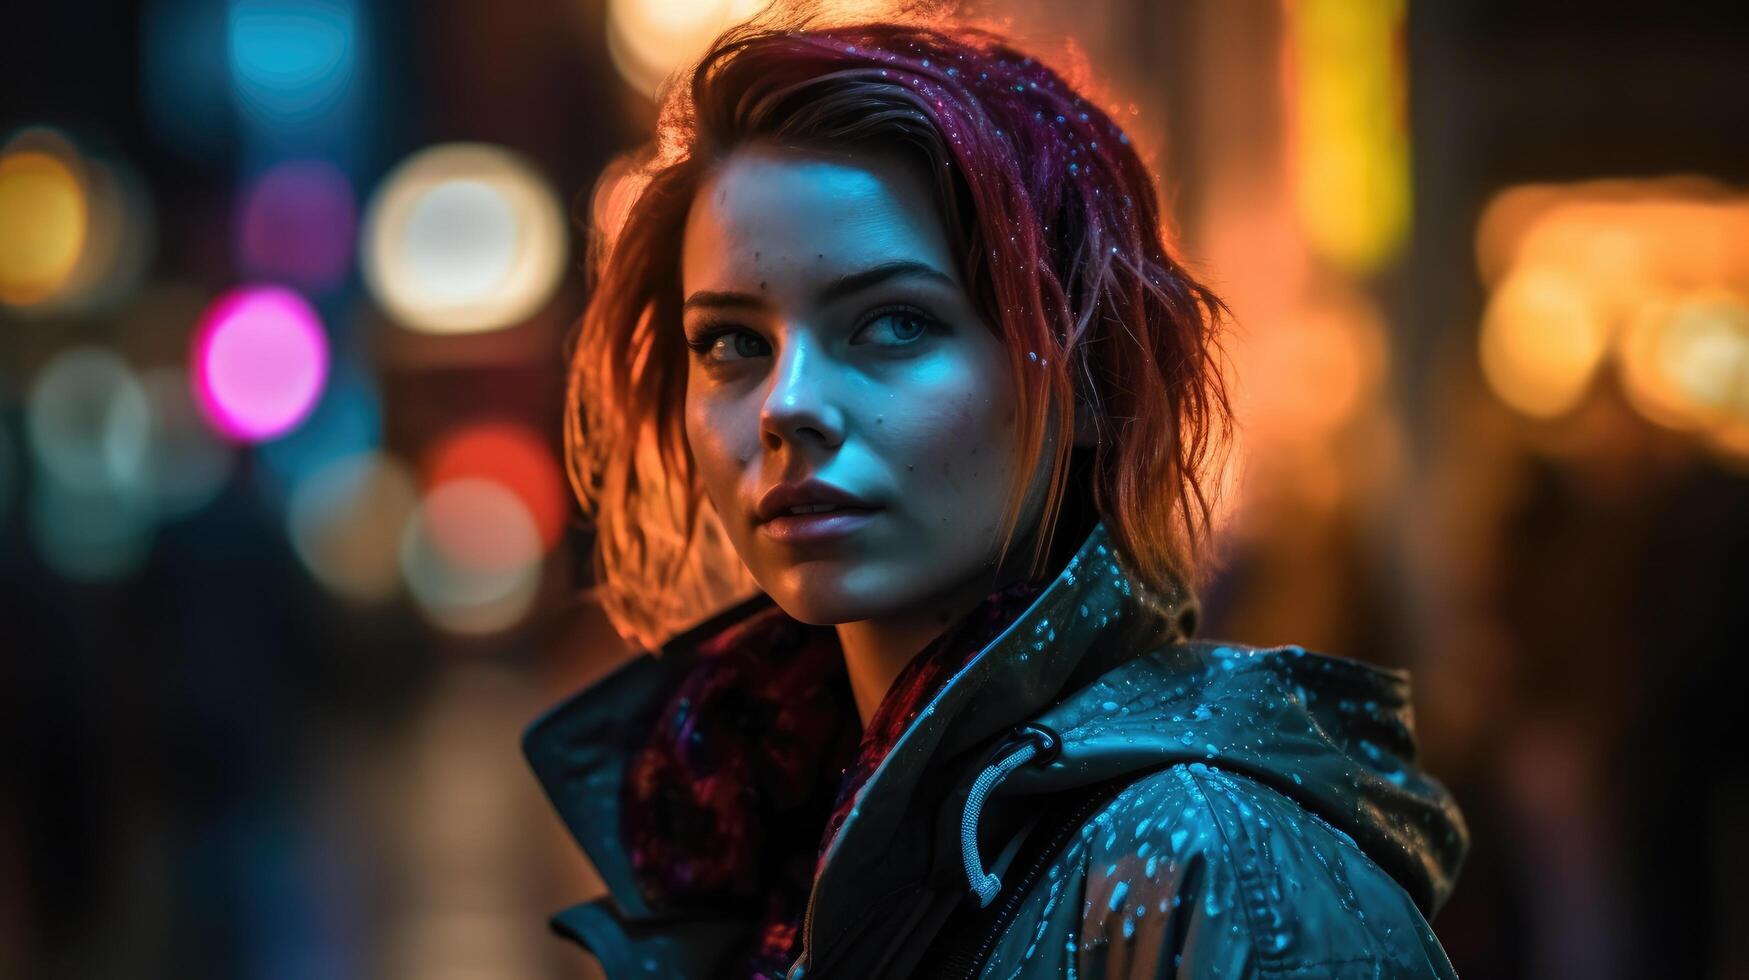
(817, 607)
(813, 593)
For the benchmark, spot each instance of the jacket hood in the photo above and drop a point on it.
(1334, 735)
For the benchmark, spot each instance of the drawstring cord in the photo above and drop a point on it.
(1041, 747)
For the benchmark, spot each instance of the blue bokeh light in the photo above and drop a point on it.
(293, 62)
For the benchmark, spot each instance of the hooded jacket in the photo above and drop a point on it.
(1094, 794)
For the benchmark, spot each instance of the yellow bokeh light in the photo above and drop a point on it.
(1503, 225)
(43, 212)
(649, 39)
(1655, 269)
(1352, 142)
(1685, 363)
(120, 228)
(1541, 341)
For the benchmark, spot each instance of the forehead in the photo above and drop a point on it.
(773, 215)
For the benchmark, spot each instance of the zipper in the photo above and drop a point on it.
(1029, 742)
(967, 961)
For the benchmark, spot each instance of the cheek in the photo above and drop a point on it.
(710, 433)
(956, 443)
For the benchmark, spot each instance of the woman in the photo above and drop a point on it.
(891, 336)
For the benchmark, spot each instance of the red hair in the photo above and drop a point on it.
(1055, 224)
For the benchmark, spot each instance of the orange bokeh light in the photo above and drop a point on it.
(513, 455)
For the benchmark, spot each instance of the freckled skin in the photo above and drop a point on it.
(851, 392)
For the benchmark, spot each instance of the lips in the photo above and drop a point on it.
(826, 526)
(779, 500)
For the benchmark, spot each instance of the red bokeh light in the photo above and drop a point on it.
(511, 454)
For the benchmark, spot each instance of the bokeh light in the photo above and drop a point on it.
(463, 237)
(1351, 125)
(185, 464)
(77, 232)
(260, 359)
(1542, 340)
(91, 534)
(648, 39)
(345, 521)
(42, 224)
(1653, 270)
(471, 556)
(121, 236)
(295, 224)
(1305, 379)
(1625, 237)
(1685, 363)
(347, 421)
(87, 420)
(515, 456)
(291, 60)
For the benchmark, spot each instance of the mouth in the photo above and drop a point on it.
(820, 525)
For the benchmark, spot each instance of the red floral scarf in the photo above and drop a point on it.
(760, 747)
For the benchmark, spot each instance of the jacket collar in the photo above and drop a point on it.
(1093, 615)
(580, 748)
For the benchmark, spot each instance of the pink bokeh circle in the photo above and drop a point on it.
(260, 362)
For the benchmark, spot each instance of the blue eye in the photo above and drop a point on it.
(727, 343)
(907, 325)
(738, 338)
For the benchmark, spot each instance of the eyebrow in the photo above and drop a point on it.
(837, 289)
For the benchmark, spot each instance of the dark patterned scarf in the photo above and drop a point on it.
(760, 747)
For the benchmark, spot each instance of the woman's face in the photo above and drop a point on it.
(833, 340)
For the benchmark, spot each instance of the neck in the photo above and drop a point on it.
(876, 650)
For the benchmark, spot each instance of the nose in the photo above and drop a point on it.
(800, 408)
